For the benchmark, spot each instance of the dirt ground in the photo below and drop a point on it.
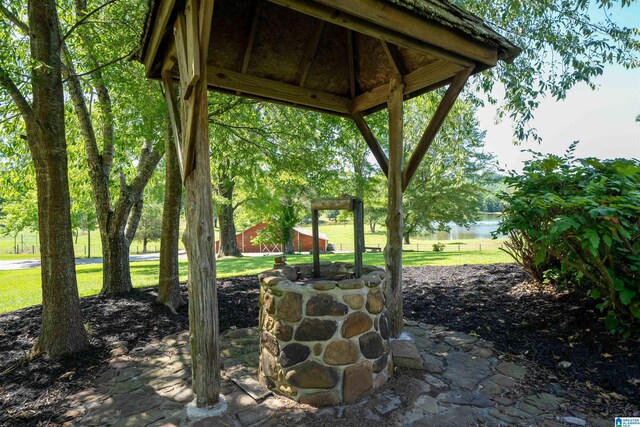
(560, 333)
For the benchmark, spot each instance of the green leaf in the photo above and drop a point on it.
(595, 293)
(626, 296)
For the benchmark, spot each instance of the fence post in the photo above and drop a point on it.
(458, 247)
(480, 246)
(33, 249)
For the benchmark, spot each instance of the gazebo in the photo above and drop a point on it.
(344, 57)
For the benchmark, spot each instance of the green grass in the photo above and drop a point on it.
(22, 288)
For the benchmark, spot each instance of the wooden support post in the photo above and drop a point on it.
(358, 236)
(395, 226)
(315, 217)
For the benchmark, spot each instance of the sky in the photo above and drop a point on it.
(602, 120)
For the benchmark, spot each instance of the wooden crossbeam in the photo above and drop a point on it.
(418, 79)
(252, 37)
(174, 116)
(372, 142)
(364, 26)
(333, 203)
(394, 58)
(351, 64)
(387, 15)
(271, 89)
(434, 125)
(193, 45)
(310, 52)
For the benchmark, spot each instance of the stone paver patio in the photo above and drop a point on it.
(460, 380)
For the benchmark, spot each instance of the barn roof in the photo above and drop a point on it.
(335, 56)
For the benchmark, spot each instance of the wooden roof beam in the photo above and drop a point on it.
(432, 129)
(410, 24)
(394, 58)
(159, 30)
(351, 64)
(371, 29)
(274, 90)
(372, 142)
(310, 52)
(418, 79)
(252, 37)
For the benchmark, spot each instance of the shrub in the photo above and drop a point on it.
(438, 247)
(576, 223)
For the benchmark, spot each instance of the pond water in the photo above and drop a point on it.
(487, 223)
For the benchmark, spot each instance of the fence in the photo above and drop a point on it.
(467, 246)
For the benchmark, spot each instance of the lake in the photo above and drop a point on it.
(482, 229)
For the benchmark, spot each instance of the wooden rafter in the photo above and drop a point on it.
(434, 125)
(394, 58)
(252, 37)
(364, 26)
(310, 52)
(422, 77)
(162, 19)
(351, 64)
(271, 89)
(372, 142)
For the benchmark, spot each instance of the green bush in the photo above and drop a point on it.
(576, 223)
(438, 247)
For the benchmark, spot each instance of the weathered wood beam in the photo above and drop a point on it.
(174, 116)
(366, 27)
(422, 77)
(310, 52)
(351, 64)
(394, 222)
(333, 203)
(252, 37)
(193, 45)
(158, 32)
(434, 125)
(372, 142)
(271, 89)
(394, 58)
(387, 15)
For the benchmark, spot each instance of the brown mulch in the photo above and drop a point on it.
(541, 326)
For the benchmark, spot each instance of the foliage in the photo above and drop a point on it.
(576, 222)
(279, 229)
(150, 226)
(438, 247)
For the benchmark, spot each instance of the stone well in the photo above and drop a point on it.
(323, 341)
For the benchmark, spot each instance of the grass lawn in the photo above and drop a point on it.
(22, 288)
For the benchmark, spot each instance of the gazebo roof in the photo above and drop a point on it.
(335, 56)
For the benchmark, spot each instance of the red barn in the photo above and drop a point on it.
(302, 240)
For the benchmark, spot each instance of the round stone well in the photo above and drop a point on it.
(323, 341)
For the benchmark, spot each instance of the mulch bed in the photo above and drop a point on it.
(542, 326)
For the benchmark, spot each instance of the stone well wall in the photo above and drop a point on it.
(323, 341)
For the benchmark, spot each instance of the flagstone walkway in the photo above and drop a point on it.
(461, 381)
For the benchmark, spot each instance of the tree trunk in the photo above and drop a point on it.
(144, 245)
(62, 331)
(393, 249)
(372, 226)
(407, 240)
(288, 248)
(228, 243)
(116, 274)
(169, 285)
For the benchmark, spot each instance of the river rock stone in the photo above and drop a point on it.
(273, 280)
(340, 353)
(269, 303)
(355, 324)
(290, 272)
(315, 330)
(311, 374)
(380, 364)
(317, 349)
(351, 284)
(269, 342)
(323, 398)
(282, 332)
(325, 305)
(324, 285)
(290, 307)
(372, 280)
(384, 325)
(357, 383)
(294, 353)
(371, 345)
(269, 364)
(375, 301)
(355, 301)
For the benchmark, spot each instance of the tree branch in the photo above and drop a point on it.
(17, 96)
(84, 18)
(13, 18)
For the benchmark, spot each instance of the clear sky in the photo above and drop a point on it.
(603, 120)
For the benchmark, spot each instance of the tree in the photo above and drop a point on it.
(169, 286)
(62, 331)
(128, 112)
(150, 226)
